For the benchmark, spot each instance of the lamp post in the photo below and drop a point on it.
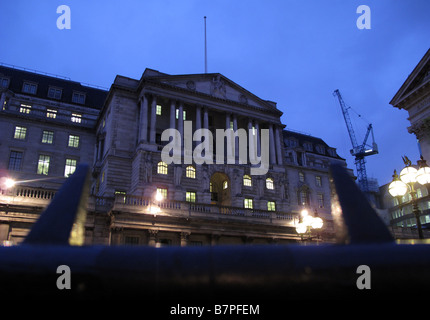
(405, 183)
(307, 223)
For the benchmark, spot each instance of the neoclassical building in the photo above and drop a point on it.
(212, 195)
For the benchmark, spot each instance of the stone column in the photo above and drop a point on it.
(278, 135)
(272, 149)
(181, 121)
(236, 139)
(152, 237)
(153, 119)
(143, 121)
(229, 137)
(184, 238)
(257, 129)
(172, 114)
(251, 142)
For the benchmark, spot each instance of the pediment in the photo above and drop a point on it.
(417, 79)
(214, 85)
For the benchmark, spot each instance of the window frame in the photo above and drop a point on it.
(271, 205)
(49, 138)
(190, 172)
(73, 140)
(15, 160)
(162, 168)
(70, 168)
(248, 203)
(43, 164)
(247, 180)
(30, 86)
(22, 133)
(270, 184)
(190, 196)
(56, 91)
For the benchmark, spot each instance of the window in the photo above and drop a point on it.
(301, 177)
(24, 108)
(20, 133)
(303, 197)
(191, 172)
(73, 141)
(163, 192)
(51, 113)
(54, 93)
(78, 97)
(269, 184)
(211, 188)
(320, 198)
(76, 117)
(247, 181)
(47, 137)
(43, 164)
(318, 181)
(162, 168)
(131, 240)
(184, 114)
(225, 185)
(190, 196)
(247, 203)
(15, 160)
(320, 149)
(271, 206)
(70, 167)
(307, 146)
(29, 88)
(158, 110)
(4, 82)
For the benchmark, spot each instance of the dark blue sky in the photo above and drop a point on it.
(293, 52)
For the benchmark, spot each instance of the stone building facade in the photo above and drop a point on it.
(136, 197)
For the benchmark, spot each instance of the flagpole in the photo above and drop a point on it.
(206, 53)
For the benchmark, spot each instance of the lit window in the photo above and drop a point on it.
(29, 88)
(43, 164)
(163, 192)
(51, 113)
(15, 160)
(191, 172)
(211, 188)
(318, 181)
(247, 203)
(54, 93)
(225, 185)
(269, 184)
(247, 181)
(184, 114)
(20, 133)
(76, 117)
(271, 206)
(24, 108)
(158, 110)
(162, 168)
(47, 137)
(190, 196)
(73, 141)
(78, 97)
(70, 167)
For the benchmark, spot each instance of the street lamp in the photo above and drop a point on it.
(408, 177)
(155, 205)
(307, 223)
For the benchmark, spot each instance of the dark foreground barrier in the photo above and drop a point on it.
(365, 263)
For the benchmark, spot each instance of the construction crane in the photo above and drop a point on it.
(359, 151)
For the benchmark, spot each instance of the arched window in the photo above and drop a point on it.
(247, 181)
(162, 168)
(269, 184)
(191, 172)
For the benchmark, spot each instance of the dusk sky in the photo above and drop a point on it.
(295, 53)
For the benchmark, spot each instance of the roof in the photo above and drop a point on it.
(302, 138)
(94, 97)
